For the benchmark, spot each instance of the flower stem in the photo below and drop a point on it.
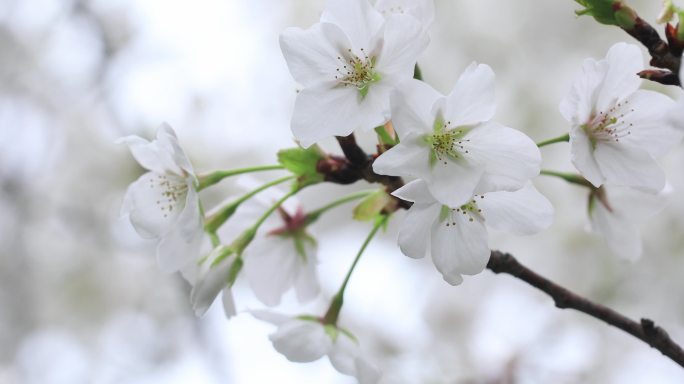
(316, 214)
(207, 180)
(569, 177)
(558, 139)
(338, 300)
(272, 209)
(215, 221)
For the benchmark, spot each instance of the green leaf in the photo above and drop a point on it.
(302, 162)
(601, 10)
(371, 206)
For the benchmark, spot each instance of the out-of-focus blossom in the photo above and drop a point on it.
(617, 131)
(305, 339)
(456, 238)
(616, 212)
(163, 203)
(348, 64)
(451, 144)
(284, 257)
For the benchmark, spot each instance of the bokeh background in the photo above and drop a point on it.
(81, 299)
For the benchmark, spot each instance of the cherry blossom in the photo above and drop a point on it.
(304, 339)
(348, 64)
(456, 238)
(617, 130)
(616, 212)
(451, 144)
(282, 258)
(163, 203)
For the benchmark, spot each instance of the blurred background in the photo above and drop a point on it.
(82, 301)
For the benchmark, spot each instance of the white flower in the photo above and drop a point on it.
(348, 64)
(456, 238)
(305, 339)
(209, 281)
(452, 145)
(617, 131)
(677, 112)
(422, 10)
(282, 258)
(615, 213)
(163, 203)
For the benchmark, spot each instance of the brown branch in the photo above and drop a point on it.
(663, 55)
(357, 165)
(646, 330)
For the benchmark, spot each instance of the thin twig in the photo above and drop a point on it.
(646, 330)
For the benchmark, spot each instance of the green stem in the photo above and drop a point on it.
(242, 241)
(338, 300)
(275, 206)
(384, 137)
(569, 177)
(216, 220)
(315, 215)
(207, 180)
(559, 139)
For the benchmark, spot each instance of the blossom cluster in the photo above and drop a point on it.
(464, 171)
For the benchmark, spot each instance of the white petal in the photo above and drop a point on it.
(632, 167)
(270, 267)
(523, 212)
(301, 341)
(168, 141)
(635, 205)
(151, 211)
(228, 303)
(453, 183)
(412, 106)
(343, 353)
(404, 40)
(365, 372)
(306, 282)
(414, 234)
(324, 111)
(508, 156)
(312, 54)
(460, 248)
(190, 220)
(210, 282)
(676, 113)
(645, 115)
(270, 317)
(582, 156)
(416, 192)
(374, 109)
(580, 102)
(624, 62)
(472, 100)
(422, 10)
(410, 158)
(356, 18)
(174, 252)
(623, 237)
(162, 155)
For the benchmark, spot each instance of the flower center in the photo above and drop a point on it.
(173, 190)
(357, 71)
(469, 210)
(446, 143)
(609, 126)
